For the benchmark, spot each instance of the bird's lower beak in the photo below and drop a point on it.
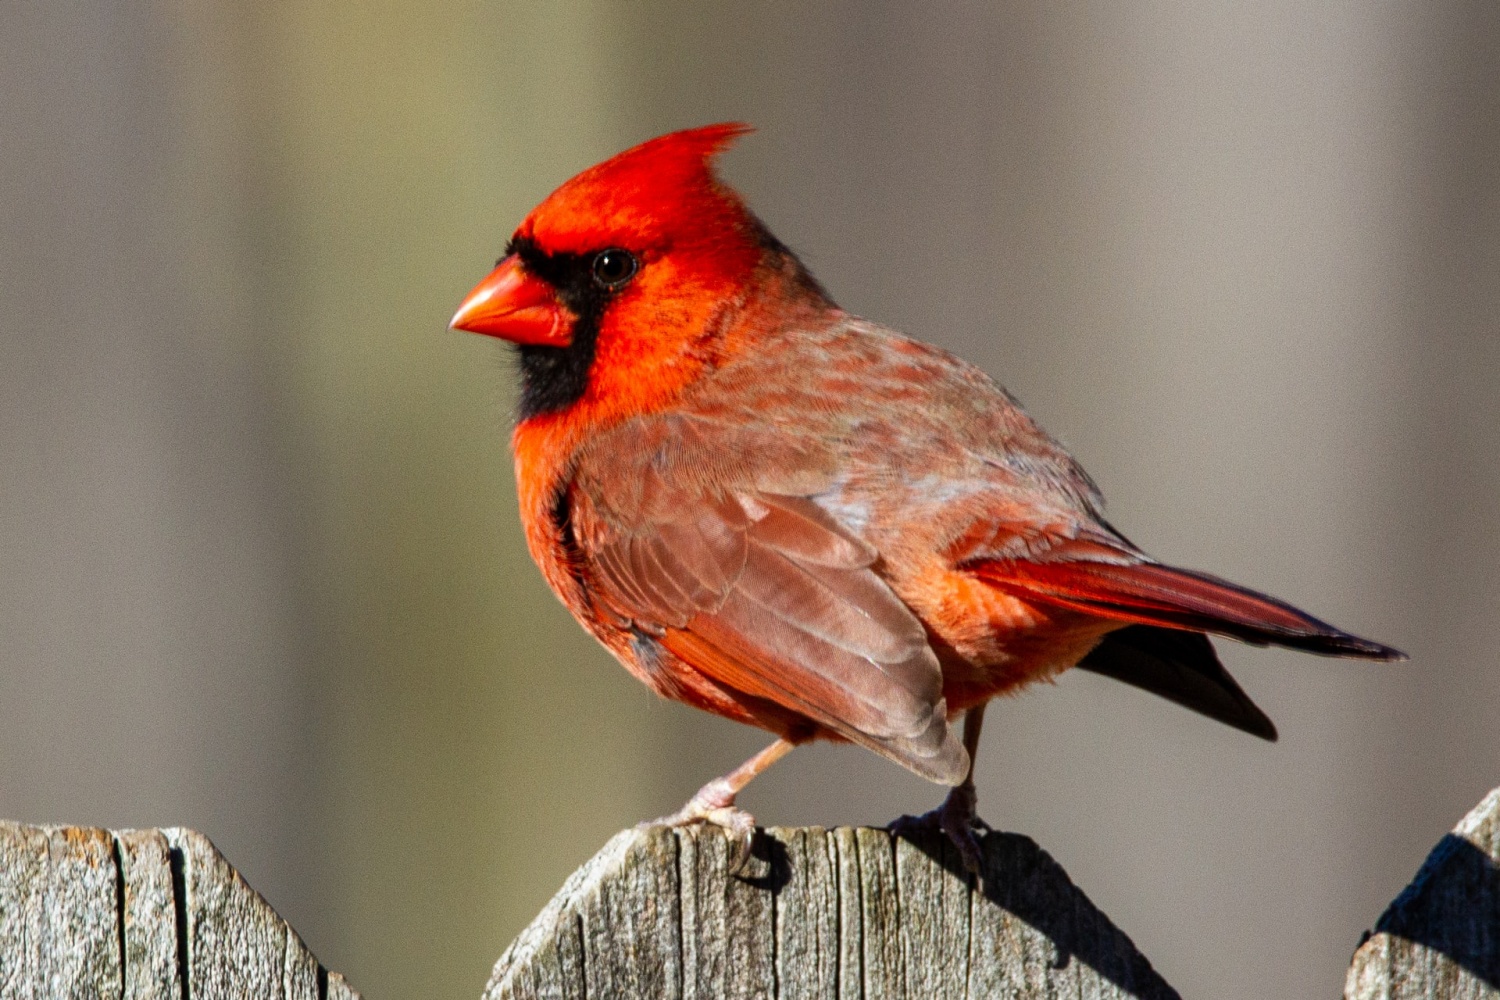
(517, 306)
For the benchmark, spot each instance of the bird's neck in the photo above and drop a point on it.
(621, 366)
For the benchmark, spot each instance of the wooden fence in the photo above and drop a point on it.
(833, 914)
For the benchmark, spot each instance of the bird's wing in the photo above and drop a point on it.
(768, 595)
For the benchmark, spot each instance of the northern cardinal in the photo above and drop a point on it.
(794, 518)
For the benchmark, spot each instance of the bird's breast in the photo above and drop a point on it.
(545, 449)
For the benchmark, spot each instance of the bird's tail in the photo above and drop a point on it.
(1163, 611)
(1151, 594)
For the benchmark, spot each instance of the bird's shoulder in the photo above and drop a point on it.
(881, 430)
(877, 391)
(665, 466)
(917, 429)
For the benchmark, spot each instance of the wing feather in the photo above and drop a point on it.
(767, 595)
(612, 562)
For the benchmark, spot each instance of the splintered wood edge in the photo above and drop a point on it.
(542, 932)
(143, 915)
(856, 913)
(1441, 936)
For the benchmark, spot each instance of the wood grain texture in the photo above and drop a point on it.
(59, 899)
(1441, 936)
(845, 914)
(829, 914)
(142, 915)
(149, 916)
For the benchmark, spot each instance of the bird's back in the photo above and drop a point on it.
(914, 445)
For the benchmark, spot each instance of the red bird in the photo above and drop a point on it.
(791, 517)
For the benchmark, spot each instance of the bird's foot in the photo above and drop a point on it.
(958, 818)
(714, 804)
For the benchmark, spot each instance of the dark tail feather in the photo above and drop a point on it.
(1182, 667)
(1152, 594)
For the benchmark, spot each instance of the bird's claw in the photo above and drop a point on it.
(959, 821)
(715, 806)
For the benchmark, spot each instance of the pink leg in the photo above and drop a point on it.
(714, 803)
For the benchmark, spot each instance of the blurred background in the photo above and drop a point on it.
(260, 571)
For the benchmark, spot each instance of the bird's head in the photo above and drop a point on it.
(612, 283)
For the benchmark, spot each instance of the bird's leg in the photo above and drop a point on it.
(958, 816)
(714, 803)
(960, 810)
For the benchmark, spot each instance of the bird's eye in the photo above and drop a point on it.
(614, 267)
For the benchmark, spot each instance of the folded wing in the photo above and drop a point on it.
(767, 595)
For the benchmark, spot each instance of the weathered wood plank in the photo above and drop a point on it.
(822, 914)
(879, 914)
(825, 914)
(808, 914)
(936, 915)
(236, 944)
(338, 988)
(1441, 936)
(151, 958)
(59, 905)
(621, 924)
(1035, 934)
(141, 915)
(850, 972)
(728, 931)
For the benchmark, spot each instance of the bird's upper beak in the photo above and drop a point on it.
(517, 306)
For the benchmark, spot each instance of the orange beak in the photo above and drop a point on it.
(516, 306)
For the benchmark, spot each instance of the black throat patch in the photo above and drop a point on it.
(554, 378)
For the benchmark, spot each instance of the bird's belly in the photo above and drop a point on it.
(991, 643)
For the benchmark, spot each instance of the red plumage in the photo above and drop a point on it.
(783, 514)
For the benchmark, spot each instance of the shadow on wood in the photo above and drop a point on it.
(829, 913)
(837, 914)
(142, 915)
(1441, 936)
